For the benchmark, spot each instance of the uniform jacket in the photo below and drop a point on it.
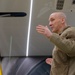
(64, 52)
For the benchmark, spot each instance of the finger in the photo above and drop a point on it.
(48, 62)
(49, 59)
(46, 26)
(40, 26)
(40, 31)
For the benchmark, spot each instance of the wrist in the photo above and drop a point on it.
(49, 35)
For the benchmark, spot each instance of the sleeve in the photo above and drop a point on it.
(67, 44)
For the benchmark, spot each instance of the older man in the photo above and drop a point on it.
(63, 37)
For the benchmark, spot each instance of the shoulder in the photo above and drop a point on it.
(70, 29)
(69, 32)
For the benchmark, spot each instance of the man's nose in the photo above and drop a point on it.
(50, 24)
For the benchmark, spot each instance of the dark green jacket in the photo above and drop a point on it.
(63, 52)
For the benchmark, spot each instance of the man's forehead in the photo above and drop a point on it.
(52, 16)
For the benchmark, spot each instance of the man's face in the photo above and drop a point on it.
(55, 22)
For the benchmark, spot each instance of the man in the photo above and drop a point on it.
(63, 37)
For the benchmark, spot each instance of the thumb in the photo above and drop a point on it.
(46, 26)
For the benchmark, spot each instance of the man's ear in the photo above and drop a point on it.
(63, 20)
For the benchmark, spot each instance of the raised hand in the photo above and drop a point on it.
(44, 30)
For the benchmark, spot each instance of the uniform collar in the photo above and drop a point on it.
(64, 29)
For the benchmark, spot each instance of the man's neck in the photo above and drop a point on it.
(62, 28)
